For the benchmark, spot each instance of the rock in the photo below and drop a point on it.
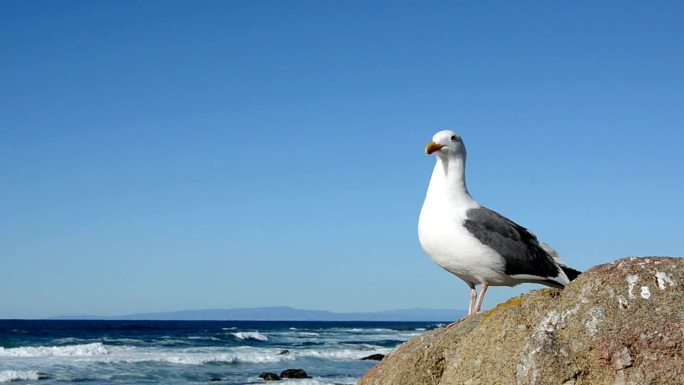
(267, 376)
(293, 373)
(620, 323)
(374, 357)
(283, 352)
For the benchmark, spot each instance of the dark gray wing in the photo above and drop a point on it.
(516, 244)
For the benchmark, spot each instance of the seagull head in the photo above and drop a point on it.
(446, 144)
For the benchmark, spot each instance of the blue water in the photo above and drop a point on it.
(192, 352)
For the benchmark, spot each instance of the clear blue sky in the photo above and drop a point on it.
(163, 155)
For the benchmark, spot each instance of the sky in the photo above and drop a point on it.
(166, 155)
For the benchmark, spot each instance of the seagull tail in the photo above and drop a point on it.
(570, 272)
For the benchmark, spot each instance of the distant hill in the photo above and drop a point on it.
(283, 313)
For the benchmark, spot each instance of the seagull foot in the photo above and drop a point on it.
(458, 321)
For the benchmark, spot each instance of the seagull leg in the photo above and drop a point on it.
(471, 304)
(483, 290)
(473, 296)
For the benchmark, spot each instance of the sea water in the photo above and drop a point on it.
(192, 352)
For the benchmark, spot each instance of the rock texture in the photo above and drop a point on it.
(620, 323)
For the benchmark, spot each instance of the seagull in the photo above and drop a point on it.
(476, 244)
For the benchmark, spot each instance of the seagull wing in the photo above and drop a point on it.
(520, 249)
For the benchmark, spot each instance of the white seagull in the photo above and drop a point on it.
(474, 243)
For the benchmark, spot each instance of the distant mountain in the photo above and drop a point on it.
(283, 313)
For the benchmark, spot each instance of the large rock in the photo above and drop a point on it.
(268, 376)
(619, 323)
(293, 373)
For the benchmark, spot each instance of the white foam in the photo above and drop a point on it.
(236, 355)
(303, 381)
(193, 356)
(18, 375)
(226, 358)
(250, 336)
(123, 340)
(340, 355)
(204, 338)
(85, 350)
(308, 334)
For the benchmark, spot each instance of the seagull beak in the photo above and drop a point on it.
(432, 147)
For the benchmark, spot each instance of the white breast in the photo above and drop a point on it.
(443, 236)
(453, 248)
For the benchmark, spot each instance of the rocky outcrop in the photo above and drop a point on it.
(293, 373)
(620, 323)
(268, 376)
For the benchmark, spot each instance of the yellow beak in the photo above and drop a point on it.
(432, 147)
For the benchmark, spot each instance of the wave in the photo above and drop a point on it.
(223, 358)
(250, 336)
(174, 342)
(19, 375)
(93, 349)
(195, 356)
(368, 347)
(208, 338)
(258, 356)
(124, 340)
(341, 354)
(67, 340)
(97, 352)
(307, 334)
(241, 355)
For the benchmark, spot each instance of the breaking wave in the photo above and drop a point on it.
(223, 358)
(250, 336)
(341, 354)
(18, 375)
(93, 349)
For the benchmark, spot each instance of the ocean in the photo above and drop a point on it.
(50, 352)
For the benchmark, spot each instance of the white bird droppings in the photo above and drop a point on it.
(645, 292)
(631, 282)
(622, 302)
(664, 280)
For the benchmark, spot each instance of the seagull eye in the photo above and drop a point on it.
(453, 138)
